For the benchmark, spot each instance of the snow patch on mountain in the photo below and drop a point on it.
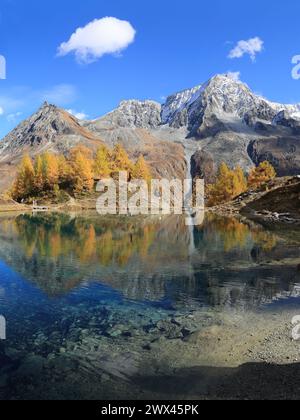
(177, 102)
(219, 97)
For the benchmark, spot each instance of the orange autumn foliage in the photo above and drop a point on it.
(260, 175)
(76, 173)
(231, 183)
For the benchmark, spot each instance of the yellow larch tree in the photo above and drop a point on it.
(38, 175)
(102, 164)
(141, 170)
(241, 180)
(120, 160)
(50, 170)
(229, 184)
(24, 182)
(82, 169)
(260, 175)
(64, 171)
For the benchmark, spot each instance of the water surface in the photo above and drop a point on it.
(85, 297)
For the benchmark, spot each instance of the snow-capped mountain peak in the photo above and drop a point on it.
(220, 96)
(177, 102)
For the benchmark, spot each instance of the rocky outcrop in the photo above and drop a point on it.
(284, 119)
(281, 204)
(274, 204)
(202, 166)
(130, 114)
(174, 111)
(282, 151)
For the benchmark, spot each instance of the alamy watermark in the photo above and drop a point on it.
(296, 328)
(2, 328)
(2, 67)
(296, 68)
(158, 197)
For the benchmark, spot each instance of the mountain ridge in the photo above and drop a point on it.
(220, 120)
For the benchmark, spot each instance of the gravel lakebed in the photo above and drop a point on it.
(117, 353)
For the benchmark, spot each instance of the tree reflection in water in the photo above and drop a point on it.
(224, 261)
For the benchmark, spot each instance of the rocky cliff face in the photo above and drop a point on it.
(137, 126)
(131, 114)
(220, 96)
(49, 128)
(174, 111)
(221, 119)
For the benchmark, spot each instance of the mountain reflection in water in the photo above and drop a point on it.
(223, 262)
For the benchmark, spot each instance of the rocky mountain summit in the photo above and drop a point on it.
(220, 96)
(50, 128)
(135, 114)
(177, 104)
(232, 124)
(220, 120)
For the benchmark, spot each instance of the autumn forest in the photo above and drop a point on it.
(57, 177)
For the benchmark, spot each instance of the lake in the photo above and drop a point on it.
(95, 305)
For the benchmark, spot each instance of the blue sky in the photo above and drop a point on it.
(177, 44)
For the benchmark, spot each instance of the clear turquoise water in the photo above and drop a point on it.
(65, 276)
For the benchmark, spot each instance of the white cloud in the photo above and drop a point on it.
(9, 103)
(13, 118)
(59, 95)
(108, 35)
(9, 106)
(78, 115)
(18, 101)
(234, 75)
(17, 98)
(251, 47)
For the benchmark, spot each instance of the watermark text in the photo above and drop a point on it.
(2, 328)
(296, 68)
(296, 328)
(158, 197)
(2, 67)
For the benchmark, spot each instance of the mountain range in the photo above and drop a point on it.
(193, 131)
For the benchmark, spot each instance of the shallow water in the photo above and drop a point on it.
(84, 296)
